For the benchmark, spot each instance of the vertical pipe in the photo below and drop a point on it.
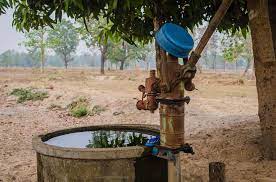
(172, 119)
(216, 172)
(172, 116)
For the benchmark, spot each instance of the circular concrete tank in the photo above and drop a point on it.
(55, 163)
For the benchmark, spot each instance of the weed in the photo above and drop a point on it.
(79, 108)
(97, 110)
(79, 111)
(240, 81)
(54, 107)
(26, 94)
(132, 79)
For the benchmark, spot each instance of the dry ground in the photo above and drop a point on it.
(221, 120)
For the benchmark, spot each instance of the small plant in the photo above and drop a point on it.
(79, 108)
(136, 140)
(54, 107)
(240, 81)
(106, 139)
(79, 111)
(79, 102)
(113, 139)
(26, 94)
(97, 110)
(132, 79)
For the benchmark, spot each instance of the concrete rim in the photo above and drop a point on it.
(91, 153)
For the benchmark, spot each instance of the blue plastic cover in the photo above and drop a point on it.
(175, 40)
(153, 141)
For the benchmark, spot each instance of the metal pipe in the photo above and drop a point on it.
(172, 116)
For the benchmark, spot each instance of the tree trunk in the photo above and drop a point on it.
(109, 65)
(157, 25)
(42, 49)
(122, 62)
(247, 67)
(252, 73)
(42, 60)
(214, 62)
(263, 31)
(103, 55)
(65, 61)
(147, 64)
(66, 64)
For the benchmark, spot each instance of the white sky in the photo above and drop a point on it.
(10, 38)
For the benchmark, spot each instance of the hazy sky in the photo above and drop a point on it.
(9, 38)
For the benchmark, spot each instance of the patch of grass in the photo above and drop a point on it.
(240, 81)
(27, 94)
(79, 108)
(132, 79)
(79, 111)
(97, 110)
(54, 107)
(82, 101)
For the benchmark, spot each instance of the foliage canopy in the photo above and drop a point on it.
(63, 39)
(133, 20)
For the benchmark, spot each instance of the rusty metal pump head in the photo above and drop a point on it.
(149, 92)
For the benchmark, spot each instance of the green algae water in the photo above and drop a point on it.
(100, 139)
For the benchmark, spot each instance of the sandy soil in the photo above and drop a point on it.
(221, 120)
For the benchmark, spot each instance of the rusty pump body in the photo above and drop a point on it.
(170, 96)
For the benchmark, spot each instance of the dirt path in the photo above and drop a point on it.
(221, 122)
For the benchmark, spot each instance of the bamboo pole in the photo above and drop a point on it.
(215, 21)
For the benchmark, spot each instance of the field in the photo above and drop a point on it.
(221, 120)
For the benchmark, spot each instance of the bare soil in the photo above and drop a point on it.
(221, 120)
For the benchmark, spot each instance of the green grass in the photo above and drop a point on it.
(79, 111)
(27, 94)
(79, 108)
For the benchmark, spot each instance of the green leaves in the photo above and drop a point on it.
(64, 39)
(5, 4)
(237, 46)
(132, 20)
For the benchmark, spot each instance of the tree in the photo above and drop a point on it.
(96, 37)
(7, 58)
(263, 33)
(214, 46)
(63, 39)
(36, 45)
(118, 53)
(238, 47)
(11, 58)
(142, 53)
(122, 52)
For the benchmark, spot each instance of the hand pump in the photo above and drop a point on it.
(168, 90)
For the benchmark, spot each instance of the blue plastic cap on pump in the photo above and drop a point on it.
(175, 40)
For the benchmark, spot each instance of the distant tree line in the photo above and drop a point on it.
(57, 47)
